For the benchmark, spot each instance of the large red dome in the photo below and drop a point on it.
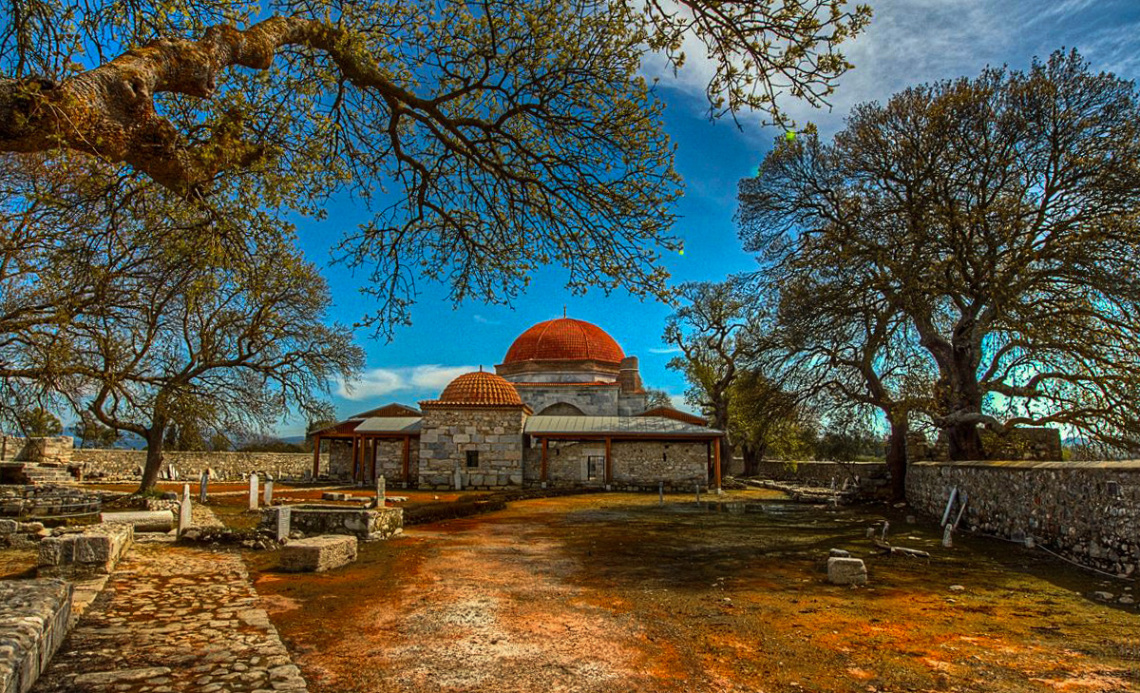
(565, 339)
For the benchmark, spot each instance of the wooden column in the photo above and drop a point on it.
(316, 457)
(407, 458)
(716, 462)
(544, 452)
(355, 455)
(372, 443)
(609, 464)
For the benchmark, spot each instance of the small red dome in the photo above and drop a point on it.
(565, 339)
(479, 388)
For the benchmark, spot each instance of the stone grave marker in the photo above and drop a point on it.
(203, 483)
(269, 491)
(661, 492)
(253, 491)
(381, 491)
(284, 519)
(698, 492)
(184, 518)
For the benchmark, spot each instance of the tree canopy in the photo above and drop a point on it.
(994, 220)
(485, 139)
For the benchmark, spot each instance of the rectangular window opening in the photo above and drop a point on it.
(472, 458)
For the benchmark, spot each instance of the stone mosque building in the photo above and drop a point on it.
(566, 407)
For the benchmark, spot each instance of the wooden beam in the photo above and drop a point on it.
(316, 457)
(407, 459)
(609, 464)
(544, 463)
(716, 462)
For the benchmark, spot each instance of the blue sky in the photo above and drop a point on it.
(908, 42)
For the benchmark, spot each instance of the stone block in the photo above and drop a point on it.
(143, 520)
(94, 551)
(34, 617)
(846, 571)
(318, 554)
(9, 526)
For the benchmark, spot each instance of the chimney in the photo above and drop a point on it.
(629, 377)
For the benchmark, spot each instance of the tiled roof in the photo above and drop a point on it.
(564, 339)
(478, 388)
(637, 426)
(671, 413)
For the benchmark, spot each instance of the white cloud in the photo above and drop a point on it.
(665, 350)
(911, 42)
(483, 320)
(380, 382)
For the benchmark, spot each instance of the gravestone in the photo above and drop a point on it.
(381, 491)
(269, 491)
(846, 571)
(458, 480)
(184, 517)
(661, 493)
(202, 486)
(284, 519)
(253, 491)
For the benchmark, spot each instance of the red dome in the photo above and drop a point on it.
(479, 388)
(565, 339)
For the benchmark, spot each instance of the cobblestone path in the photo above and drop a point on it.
(173, 618)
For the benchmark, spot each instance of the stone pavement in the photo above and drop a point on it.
(173, 618)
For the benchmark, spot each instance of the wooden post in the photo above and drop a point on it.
(372, 444)
(407, 459)
(716, 463)
(355, 456)
(609, 470)
(316, 457)
(544, 463)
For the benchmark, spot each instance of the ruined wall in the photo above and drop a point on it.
(128, 464)
(447, 435)
(53, 450)
(1086, 511)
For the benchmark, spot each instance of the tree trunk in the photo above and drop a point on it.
(896, 456)
(153, 457)
(965, 442)
(751, 460)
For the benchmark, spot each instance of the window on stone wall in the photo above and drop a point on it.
(594, 466)
(472, 458)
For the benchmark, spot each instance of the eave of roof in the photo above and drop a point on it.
(617, 426)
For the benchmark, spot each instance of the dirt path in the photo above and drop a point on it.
(611, 593)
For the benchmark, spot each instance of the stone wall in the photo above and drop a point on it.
(1086, 511)
(223, 466)
(53, 450)
(447, 435)
(820, 473)
(636, 464)
(389, 459)
(643, 464)
(592, 400)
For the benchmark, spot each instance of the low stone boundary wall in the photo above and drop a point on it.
(34, 616)
(367, 524)
(821, 473)
(1086, 511)
(116, 465)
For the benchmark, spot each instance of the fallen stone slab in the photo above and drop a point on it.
(331, 496)
(94, 551)
(34, 616)
(846, 571)
(366, 524)
(142, 520)
(99, 679)
(318, 554)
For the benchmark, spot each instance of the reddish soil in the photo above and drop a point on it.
(612, 593)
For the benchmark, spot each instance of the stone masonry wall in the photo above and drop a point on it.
(593, 400)
(447, 435)
(638, 465)
(126, 464)
(1086, 511)
(389, 459)
(820, 473)
(56, 449)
